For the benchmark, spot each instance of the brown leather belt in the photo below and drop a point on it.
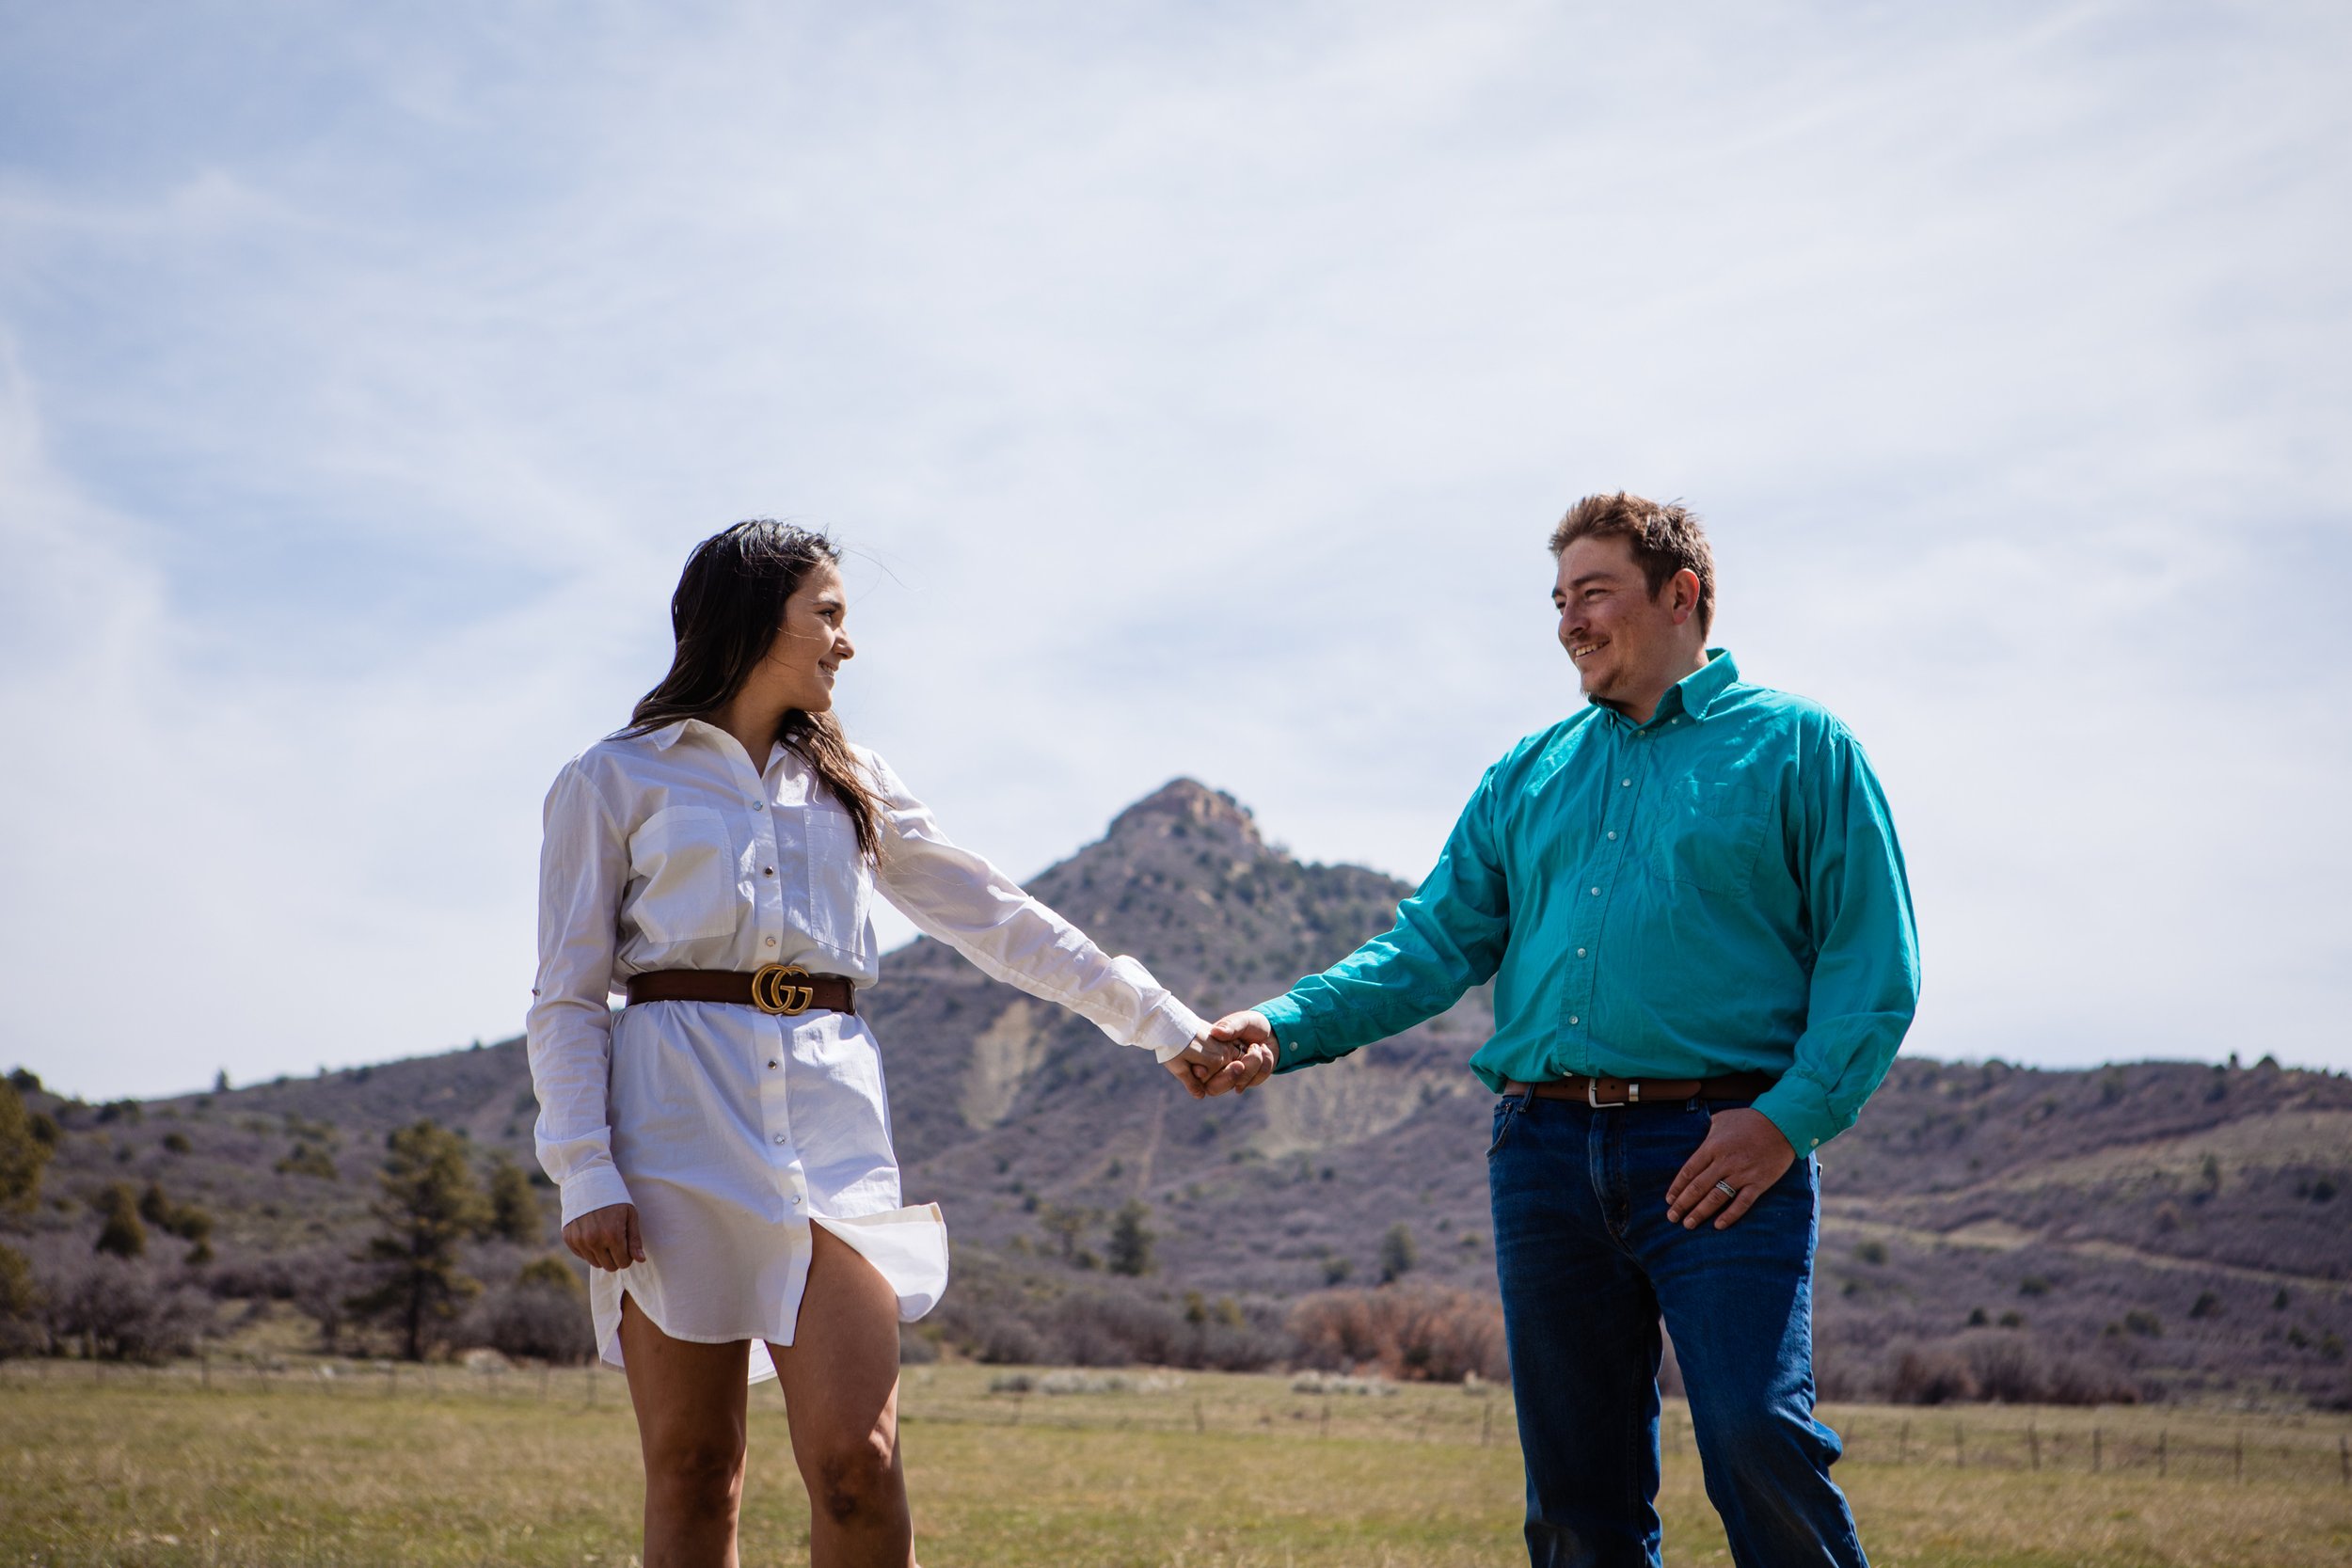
(784, 989)
(1601, 1092)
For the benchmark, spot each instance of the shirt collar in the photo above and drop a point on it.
(667, 736)
(1704, 686)
(1695, 692)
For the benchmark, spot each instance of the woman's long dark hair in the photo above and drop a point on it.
(726, 612)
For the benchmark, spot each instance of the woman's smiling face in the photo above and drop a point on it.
(809, 647)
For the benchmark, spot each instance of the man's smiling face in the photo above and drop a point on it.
(1624, 642)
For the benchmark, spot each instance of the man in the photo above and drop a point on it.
(1692, 904)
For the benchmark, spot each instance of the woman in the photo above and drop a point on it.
(723, 1147)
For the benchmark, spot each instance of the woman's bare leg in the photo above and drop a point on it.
(840, 1380)
(690, 1422)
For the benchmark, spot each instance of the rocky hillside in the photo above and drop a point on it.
(2165, 1228)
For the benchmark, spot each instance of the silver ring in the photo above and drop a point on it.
(1726, 1189)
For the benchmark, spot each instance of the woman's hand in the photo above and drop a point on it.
(606, 1238)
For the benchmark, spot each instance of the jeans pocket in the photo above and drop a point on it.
(1508, 1108)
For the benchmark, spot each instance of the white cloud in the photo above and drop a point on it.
(1197, 390)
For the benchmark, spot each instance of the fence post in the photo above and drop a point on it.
(1324, 1427)
(1200, 1421)
(392, 1377)
(1902, 1444)
(2094, 1450)
(2034, 1442)
(1960, 1448)
(2161, 1435)
(2238, 1461)
(1485, 1418)
(2343, 1457)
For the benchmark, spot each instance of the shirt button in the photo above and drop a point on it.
(1572, 1018)
(1624, 784)
(1596, 892)
(1612, 833)
(1580, 953)
(771, 941)
(779, 1137)
(796, 1200)
(759, 805)
(767, 870)
(771, 1063)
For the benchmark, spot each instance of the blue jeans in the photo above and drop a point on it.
(1588, 1263)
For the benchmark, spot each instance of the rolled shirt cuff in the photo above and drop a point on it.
(1168, 1028)
(598, 1187)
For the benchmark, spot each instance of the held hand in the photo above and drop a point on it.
(1743, 1150)
(1201, 1066)
(606, 1238)
(1251, 1031)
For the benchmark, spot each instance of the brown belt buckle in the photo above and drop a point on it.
(1592, 1094)
(774, 991)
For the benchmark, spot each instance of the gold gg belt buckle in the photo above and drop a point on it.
(774, 990)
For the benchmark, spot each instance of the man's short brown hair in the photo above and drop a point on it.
(1664, 540)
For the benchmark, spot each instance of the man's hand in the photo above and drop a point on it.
(1255, 1035)
(1206, 1066)
(1742, 1149)
(606, 1238)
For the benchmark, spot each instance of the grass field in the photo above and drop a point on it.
(183, 1466)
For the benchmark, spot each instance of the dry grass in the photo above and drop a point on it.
(1204, 1471)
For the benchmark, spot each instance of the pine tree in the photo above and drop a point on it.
(429, 1208)
(1131, 1241)
(515, 1213)
(1397, 1253)
(23, 1153)
(121, 1234)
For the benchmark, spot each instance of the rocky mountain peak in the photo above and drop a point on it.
(1188, 808)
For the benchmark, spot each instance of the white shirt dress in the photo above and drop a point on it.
(733, 1131)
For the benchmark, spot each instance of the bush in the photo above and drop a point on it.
(1425, 1334)
(122, 1310)
(536, 1317)
(1930, 1375)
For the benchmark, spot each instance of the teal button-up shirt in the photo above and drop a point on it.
(1716, 891)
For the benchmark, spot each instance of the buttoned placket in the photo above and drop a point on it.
(1628, 762)
(775, 1105)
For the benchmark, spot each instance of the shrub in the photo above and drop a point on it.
(1426, 1333)
(122, 1310)
(1930, 1375)
(1872, 1253)
(2144, 1324)
(536, 1317)
(120, 1233)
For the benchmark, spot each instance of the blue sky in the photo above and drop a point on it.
(1195, 385)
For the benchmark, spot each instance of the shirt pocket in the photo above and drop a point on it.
(840, 884)
(684, 867)
(1707, 835)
